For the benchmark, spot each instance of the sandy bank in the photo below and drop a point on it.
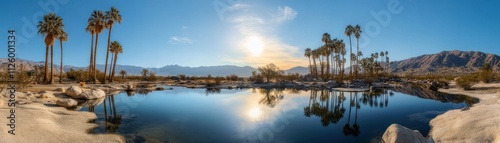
(480, 123)
(39, 123)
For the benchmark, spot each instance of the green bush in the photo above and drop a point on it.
(466, 81)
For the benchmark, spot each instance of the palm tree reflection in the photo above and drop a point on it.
(329, 107)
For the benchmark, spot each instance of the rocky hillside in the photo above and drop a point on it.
(449, 62)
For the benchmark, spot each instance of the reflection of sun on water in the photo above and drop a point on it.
(254, 45)
(254, 113)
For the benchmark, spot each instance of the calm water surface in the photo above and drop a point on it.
(259, 115)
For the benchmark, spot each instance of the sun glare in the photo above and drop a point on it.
(254, 113)
(254, 45)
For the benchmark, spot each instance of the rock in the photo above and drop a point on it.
(66, 102)
(46, 94)
(59, 89)
(130, 87)
(23, 101)
(398, 134)
(91, 94)
(160, 88)
(74, 91)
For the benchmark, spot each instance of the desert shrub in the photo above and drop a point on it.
(256, 77)
(486, 73)
(77, 75)
(466, 81)
(232, 77)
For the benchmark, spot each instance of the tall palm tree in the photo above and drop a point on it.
(50, 26)
(307, 53)
(326, 39)
(112, 16)
(90, 28)
(123, 73)
(357, 33)
(342, 52)
(98, 19)
(116, 48)
(62, 38)
(348, 32)
(315, 56)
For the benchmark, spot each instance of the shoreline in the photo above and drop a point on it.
(479, 123)
(39, 119)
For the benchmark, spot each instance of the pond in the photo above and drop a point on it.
(267, 115)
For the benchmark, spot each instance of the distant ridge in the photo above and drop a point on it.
(223, 70)
(446, 62)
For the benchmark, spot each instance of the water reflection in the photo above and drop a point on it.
(112, 119)
(438, 96)
(271, 96)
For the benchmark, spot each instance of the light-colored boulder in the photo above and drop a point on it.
(46, 94)
(92, 94)
(74, 91)
(399, 134)
(130, 86)
(60, 89)
(66, 102)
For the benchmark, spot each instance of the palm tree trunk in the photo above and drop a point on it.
(95, 54)
(107, 53)
(114, 67)
(111, 65)
(357, 57)
(61, 66)
(51, 64)
(46, 78)
(91, 57)
(350, 59)
(310, 67)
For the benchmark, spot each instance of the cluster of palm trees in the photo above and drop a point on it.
(52, 27)
(97, 22)
(375, 63)
(331, 55)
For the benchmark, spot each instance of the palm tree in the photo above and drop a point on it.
(382, 54)
(51, 26)
(357, 33)
(123, 73)
(315, 56)
(90, 28)
(98, 19)
(307, 53)
(349, 31)
(116, 48)
(326, 39)
(62, 38)
(111, 16)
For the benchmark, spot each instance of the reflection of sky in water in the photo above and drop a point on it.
(192, 115)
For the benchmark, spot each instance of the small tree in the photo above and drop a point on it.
(123, 73)
(270, 72)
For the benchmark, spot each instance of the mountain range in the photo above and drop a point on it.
(448, 62)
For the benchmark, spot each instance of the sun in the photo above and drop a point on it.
(254, 45)
(254, 113)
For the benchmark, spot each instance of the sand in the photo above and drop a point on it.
(39, 120)
(480, 123)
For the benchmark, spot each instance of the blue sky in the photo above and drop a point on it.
(156, 33)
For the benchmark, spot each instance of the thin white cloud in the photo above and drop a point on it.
(285, 14)
(180, 40)
(184, 27)
(238, 6)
